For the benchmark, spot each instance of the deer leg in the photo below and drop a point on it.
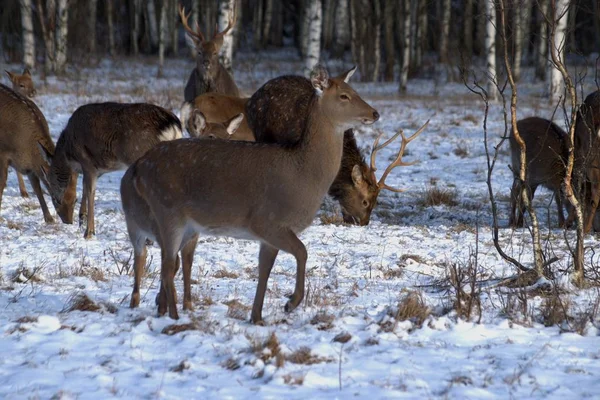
(89, 192)
(3, 176)
(139, 263)
(515, 199)
(187, 258)
(266, 259)
(83, 208)
(559, 206)
(37, 189)
(168, 294)
(22, 188)
(595, 198)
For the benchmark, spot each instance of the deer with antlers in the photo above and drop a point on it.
(355, 187)
(209, 75)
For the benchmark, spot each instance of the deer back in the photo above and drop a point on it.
(22, 83)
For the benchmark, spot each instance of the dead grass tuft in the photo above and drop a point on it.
(94, 273)
(23, 275)
(81, 302)
(342, 337)
(268, 349)
(182, 366)
(14, 225)
(294, 379)
(178, 328)
(331, 218)
(231, 364)
(304, 356)
(471, 118)
(27, 320)
(461, 150)
(223, 273)
(237, 310)
(323, 320)
(435, 196)
(412, 307)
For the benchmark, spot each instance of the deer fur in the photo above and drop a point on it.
(24, 134)
(217, 108)
(270, 119)
(546, 154)
(257, 191)
(197, 125)
(100, 138)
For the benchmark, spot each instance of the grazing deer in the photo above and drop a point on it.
(258, 191)
(22, 84)
(24, 135)
(209, 75)
(198, 126)
(216, 108)
(546, 152)
(100, 138)
(355, 186)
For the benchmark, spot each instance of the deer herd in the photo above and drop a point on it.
(253, 168)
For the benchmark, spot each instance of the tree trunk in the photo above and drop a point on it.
(91, 25)
(305, 27)
(377, 39)
(390, 48)
(28, 36)
(276, 37)
(268, 17)
(257, 24)
(111, 29)
(342, 29)
(135, 12)
(226, 10)
(490, 48)
(445, 31)
(541, 61)
(468, 32)
(354, 30)
(47, 22)
(421, 39)
(405, 17)
(313, 50)
(62, 29)
(328, 18)
(174, 18)
(560, 18)
(152, 26)
(195, 20)
(520, 21)
(162, 33)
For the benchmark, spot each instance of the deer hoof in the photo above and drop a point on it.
(48, 219)
(187, 305)
(135, 300)
(173, 313)
(25, 195)
(89, 234)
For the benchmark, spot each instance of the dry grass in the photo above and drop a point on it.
(304, 356)
(14, 225)
(435, 196)
(237, 310)
(323, 320)
(411, 308)
(331, 218)
(231, 364)
(471, 118)
(295, 379)
(268, 349)
(81, 302)
(461, 150)
(199, 323)
(223, 273)
(182, 366)
(342, 337)
(94, 273)
(178, 328)
(23, 275)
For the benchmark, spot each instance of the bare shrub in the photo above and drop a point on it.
(236, 309)
(465, 293)
(435, 196)
(268, 349)
(411, 308)
(323, 320)
(178, 328)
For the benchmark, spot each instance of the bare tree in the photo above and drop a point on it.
(62, 29)
(468, 31)
(389, 10)
(47, 18)
(267, 18)
(420, 41)
(226, 10)
(152, 25)
(313, 50)
(406, 25)
(257, 23)
(91, 25)
(377, 40)
(541, 61)
(342, 28)
(135, 8)
(195, 16)
(559, 37)
(328, 19)
(110, 27)
(490, 48)
(445, 31)
(28, 36)
(174, 22)
(162, 34)
(521, 15)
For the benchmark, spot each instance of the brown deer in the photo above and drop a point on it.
(197, 125)
(216, 108)
(209, 75)
(355, 186)
(24, 135)
(586, 171)
(258, 191)
(100, 138)
(24, 85)
(546, 152)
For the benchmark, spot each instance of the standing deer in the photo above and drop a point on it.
(355, 187)
(198, 126)
(216, 108)
(258, 191)
(209, 75)
(24, 135)
(546, 152)
(22, 84)
(100, 138)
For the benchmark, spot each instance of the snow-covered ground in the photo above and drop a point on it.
(349, 338)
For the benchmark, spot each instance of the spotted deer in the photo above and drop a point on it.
(24, 140)
(355, 187)
(209, 75)
(22, 84)
(197, 125)
(101, 138)
(546, 152)
(259, 191)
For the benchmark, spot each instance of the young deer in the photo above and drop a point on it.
(209, 75)
(258, 191)
(546, 154)
(100, 138)
(355, 187)
(197, 125)
(23, 135)
(22, 84)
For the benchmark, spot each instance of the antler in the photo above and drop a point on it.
(230, 24)
(398, 161)
(184, 20)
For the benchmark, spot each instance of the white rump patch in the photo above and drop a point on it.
(171, 133)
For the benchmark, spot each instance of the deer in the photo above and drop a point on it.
(197, 125)
(220, 108)
(259, 191)
(546, 152)
(355, 187)
(209, 75)
(101, 138)
(586, 170)
(22, 84)
(24, 140)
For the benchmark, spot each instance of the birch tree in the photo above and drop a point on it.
(162, 34)
(28, 36)
(313, 50)
(47, 17)
(406, 26)
(421, 38)
(342, 28)
(62, 29)
(468, 31)
(227, 12)
(490, 49)
(560, 18)
(541, 61)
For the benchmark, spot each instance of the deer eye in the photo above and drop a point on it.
(365, 203)
(344, 97)
(22, 86)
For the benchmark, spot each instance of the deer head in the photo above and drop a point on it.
(199, 127)
(207, 59)
(22, 83)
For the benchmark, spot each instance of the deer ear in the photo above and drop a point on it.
(47, 156)
(10, 75)
(348, 74)
(234, 123)
(198, 122)
(357, 177)
(184, 116)
(26, 72)
(319, 78)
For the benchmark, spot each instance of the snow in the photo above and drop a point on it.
(356, 276)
